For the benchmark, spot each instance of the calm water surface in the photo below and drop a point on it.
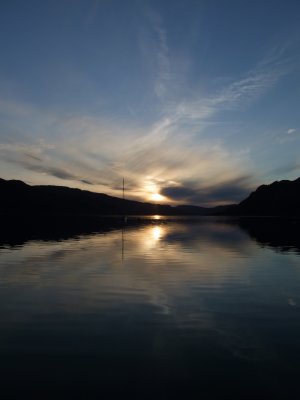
(182, 309)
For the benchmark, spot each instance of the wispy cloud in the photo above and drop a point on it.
(165, 65)
(162, 155)
(35, 158)
(286, 168)
(290, 135)
(238, 94)
(92, 151)
(224, 192)
(163, 62)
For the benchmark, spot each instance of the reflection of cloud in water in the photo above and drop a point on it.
(187, 275)
(161, 262)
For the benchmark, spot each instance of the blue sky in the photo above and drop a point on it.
(194, 100)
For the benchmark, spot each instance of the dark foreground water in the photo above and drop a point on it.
(205, 309)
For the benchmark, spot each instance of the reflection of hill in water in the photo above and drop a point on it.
(19, 230)
(279, 233)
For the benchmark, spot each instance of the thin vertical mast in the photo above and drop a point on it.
(124, 221)
(124, 213)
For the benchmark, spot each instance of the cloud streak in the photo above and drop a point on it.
(223, 193)
(93, 153)
(163, 62)
(32, 158)
(170, 154)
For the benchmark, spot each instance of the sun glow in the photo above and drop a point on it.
(157, 197)
(156, 232)
(152, 189)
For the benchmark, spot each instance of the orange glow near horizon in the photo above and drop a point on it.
(152, 235)
(157, 197)
(157, 232)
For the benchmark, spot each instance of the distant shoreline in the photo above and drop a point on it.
(17, 198)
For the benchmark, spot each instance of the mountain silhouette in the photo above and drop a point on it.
(280, 198)
(18, 198)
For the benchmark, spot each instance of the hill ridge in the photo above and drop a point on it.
(19, 197)
(279, 198)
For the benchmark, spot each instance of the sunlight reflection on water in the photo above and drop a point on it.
(161, 295)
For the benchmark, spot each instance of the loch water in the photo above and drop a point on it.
(154, 308)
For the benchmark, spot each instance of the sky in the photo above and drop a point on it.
(193, 102)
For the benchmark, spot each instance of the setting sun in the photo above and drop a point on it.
(157, 197)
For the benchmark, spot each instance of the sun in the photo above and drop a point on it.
(157, 197)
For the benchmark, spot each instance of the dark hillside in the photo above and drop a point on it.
(279, 198)
(16, 197)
